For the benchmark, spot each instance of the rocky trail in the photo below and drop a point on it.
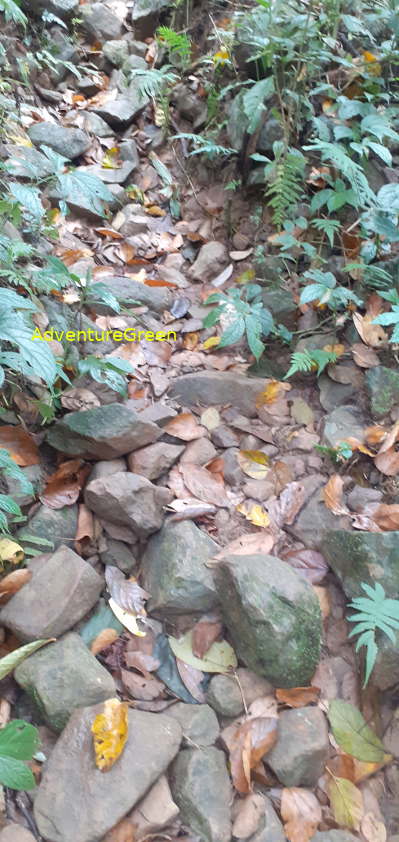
(191, 521)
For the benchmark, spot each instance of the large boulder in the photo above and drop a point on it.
(174, 571)
(273, 616)
(104, 432)
(63, 588)
(71, 143)
(357, 557)
(76, 801)
(214, 388)
(299, 756)
(100, 22)
(56, 527)
(128, 500)
(201, 788)
(382, 385)
(63, 9)
(145, 16)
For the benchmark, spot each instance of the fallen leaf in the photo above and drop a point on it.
(85, 529)
(250, 812)
(274, 390)
(104, 639)
(223, 276)
(284, 510)
(364, 356)
(332, 495)
(256, 514)
(388, 462)
(145, 687)
(375, 434)
(185, 427)
(79, 398)
(387, 517)
(210, 418)
(373, 829)
(121, 832)
(205, 633)
(211, 342)
(357, 445)
(254, 463)
(346, 766)
(301, 813)
(252, 740)
(127, 618)
(309, 563)
(192, 680)
(220, 657)
(12, 583)
(297, 697)
(203, 485)
(346, 802)
(371, 334)
(247, 544)
(110, 731)
(63, 487)
(10, 551)
(189, 509)
(11, 661)
(126, 592)
(19, 444)
(390, 438)
(352, 733)
(240, 255)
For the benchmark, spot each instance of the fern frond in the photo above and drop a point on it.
(177, 43)
(374, 612)
(286, 187)
(204, 146)
(152, 82)
(310, 361)
(352, 171)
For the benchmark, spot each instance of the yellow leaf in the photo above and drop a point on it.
(274, 390)
(254, 463)
(374, 67)
(20, 140)
(346, 802)
(110, 730)
(255, 514)
(212, 342)
(110, 160)
(221, 56)
(154, 210)
(10, 551)
(335, 349)
(127, 618)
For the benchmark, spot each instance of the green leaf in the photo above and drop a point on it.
(19, 739)
(233, 333)
(353, 734)
(15, 775)
(254, 101)
(346, 802)
(11, 661)
(219, 658)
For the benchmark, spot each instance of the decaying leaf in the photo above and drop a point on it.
(84, 530)
(387, 517)
(126, 592)
(297, 697)
(184, 426)
(346, 802)
(208, 629)
(255, 513)
(389, 438)
(254, 463)
(19, 444)
(192, 679)
(12, 583)
(220, 657)
(11, 661)
(388, 462)
(284, 510)
(274, 390)
(371, 334)
(254, 542)
(63, 487)
(127, 618)
(353, 734)
(210, 418)
(364, 356)
(332, 495)
(252, 740)
(10, 551)
(301, 813)
(375, 435)
(309, 563)
(103, 640)
(203, 485)
(110, 732)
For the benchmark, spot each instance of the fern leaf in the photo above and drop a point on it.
(286, 187)
(346, 167)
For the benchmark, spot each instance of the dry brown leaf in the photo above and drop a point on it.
(110, 731)
(390, 439)
(184, 426)
(63, 487)
(364, 356)
(284, 510)
(205, 632)
(371, 334)
(274, 390)
(388, 462)
(85, 529)
(12, 583)
(355, 444)
(324, 601)
(297, 697)
(301, 813)
(103, 639)
(121, 832)
(375, 434)
(254, 463)
(252, 740)
(192, 678)
(347, 766)
(309, 563)
(332, 495)
(387, 517)
(254, 542)
(145, 687)
(79, 398)
(373, 829)
(19, 444)
(203, 485)
(126, 592)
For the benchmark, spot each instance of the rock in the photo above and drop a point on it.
(129, 500)
(61, 8)
(382, 385)
(120, 112)
(211, 259)
(76, 800)
(100, 22)
(225, 696)
(158, 413)
(232, 472)
(71, 143)
(269, 827)
(130, 292)
(333, 395)
(128, 152)
(16, 833)
(224, 436)
(357, 557)
(64, 676)
(201, 788)
(117, 175)
(145, 16)
(237, 123)
(134, 62)
(116, 52)
(118, 554)
(299, 756)
(63, 588)
(104, 432)
(342, 423)
(199, 723)
(155, 811)
(199, 452)
(88, 85)
(270, 132)
(360, 497)
(174, 571)
(334, 836)
(281, 304)
(154, 460)
(273, 616)
(34, 475)
(253, 686)
(107, 468)
(386, 669)
(55, 526)
(189, 105)
(213, 388)
(314, 519)
(95, 124)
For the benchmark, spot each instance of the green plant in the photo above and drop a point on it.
(285, 176)
(310, 361)
(12, 12)
(8, 506)
(28, 358)
(338, 454)
(239, 314)
(18, 742)
(177, 44)
(375, 612)
(205, 146)
(391, 318)
(325, 290)
(111, 371)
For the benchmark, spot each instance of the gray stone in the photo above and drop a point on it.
(158, 413)
(386, 669)
(95, 124)
(155, 811)
(128, 152)
(61, 8)
(333, 394)
(63, 588)
(189, 105)
(253, 686)
(299, 756)
(104, 432)
(334, 836)
(199, 452)
(198, 723)
(273, 616)
(314, 519)
(16, 833)
(201, 788)
(270, 828)
(107, 468)
(116, 52)
(382, 385)
(131, 292)
(270, 132)
(134, 62)
(57, 526)
(71, 143)
(130, 500)
(116, 175)
(34, 475)
(154, 460)
(145, 16)
(232, 472)
(63, 676)
(214, 388)
(120, 112)
(281, 304)
(174, 571)
(225, 696)
(100, 22)
(342, 423)
(357, 557)
(212, 258)
(118, 554)
(76, 801)
(360, 497)
(224, 436)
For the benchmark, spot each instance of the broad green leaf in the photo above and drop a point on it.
(219, 658)
(353, 734)
(346, 802)
(15, 775)
(254, 101)
(19, 739)
(11, 661)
